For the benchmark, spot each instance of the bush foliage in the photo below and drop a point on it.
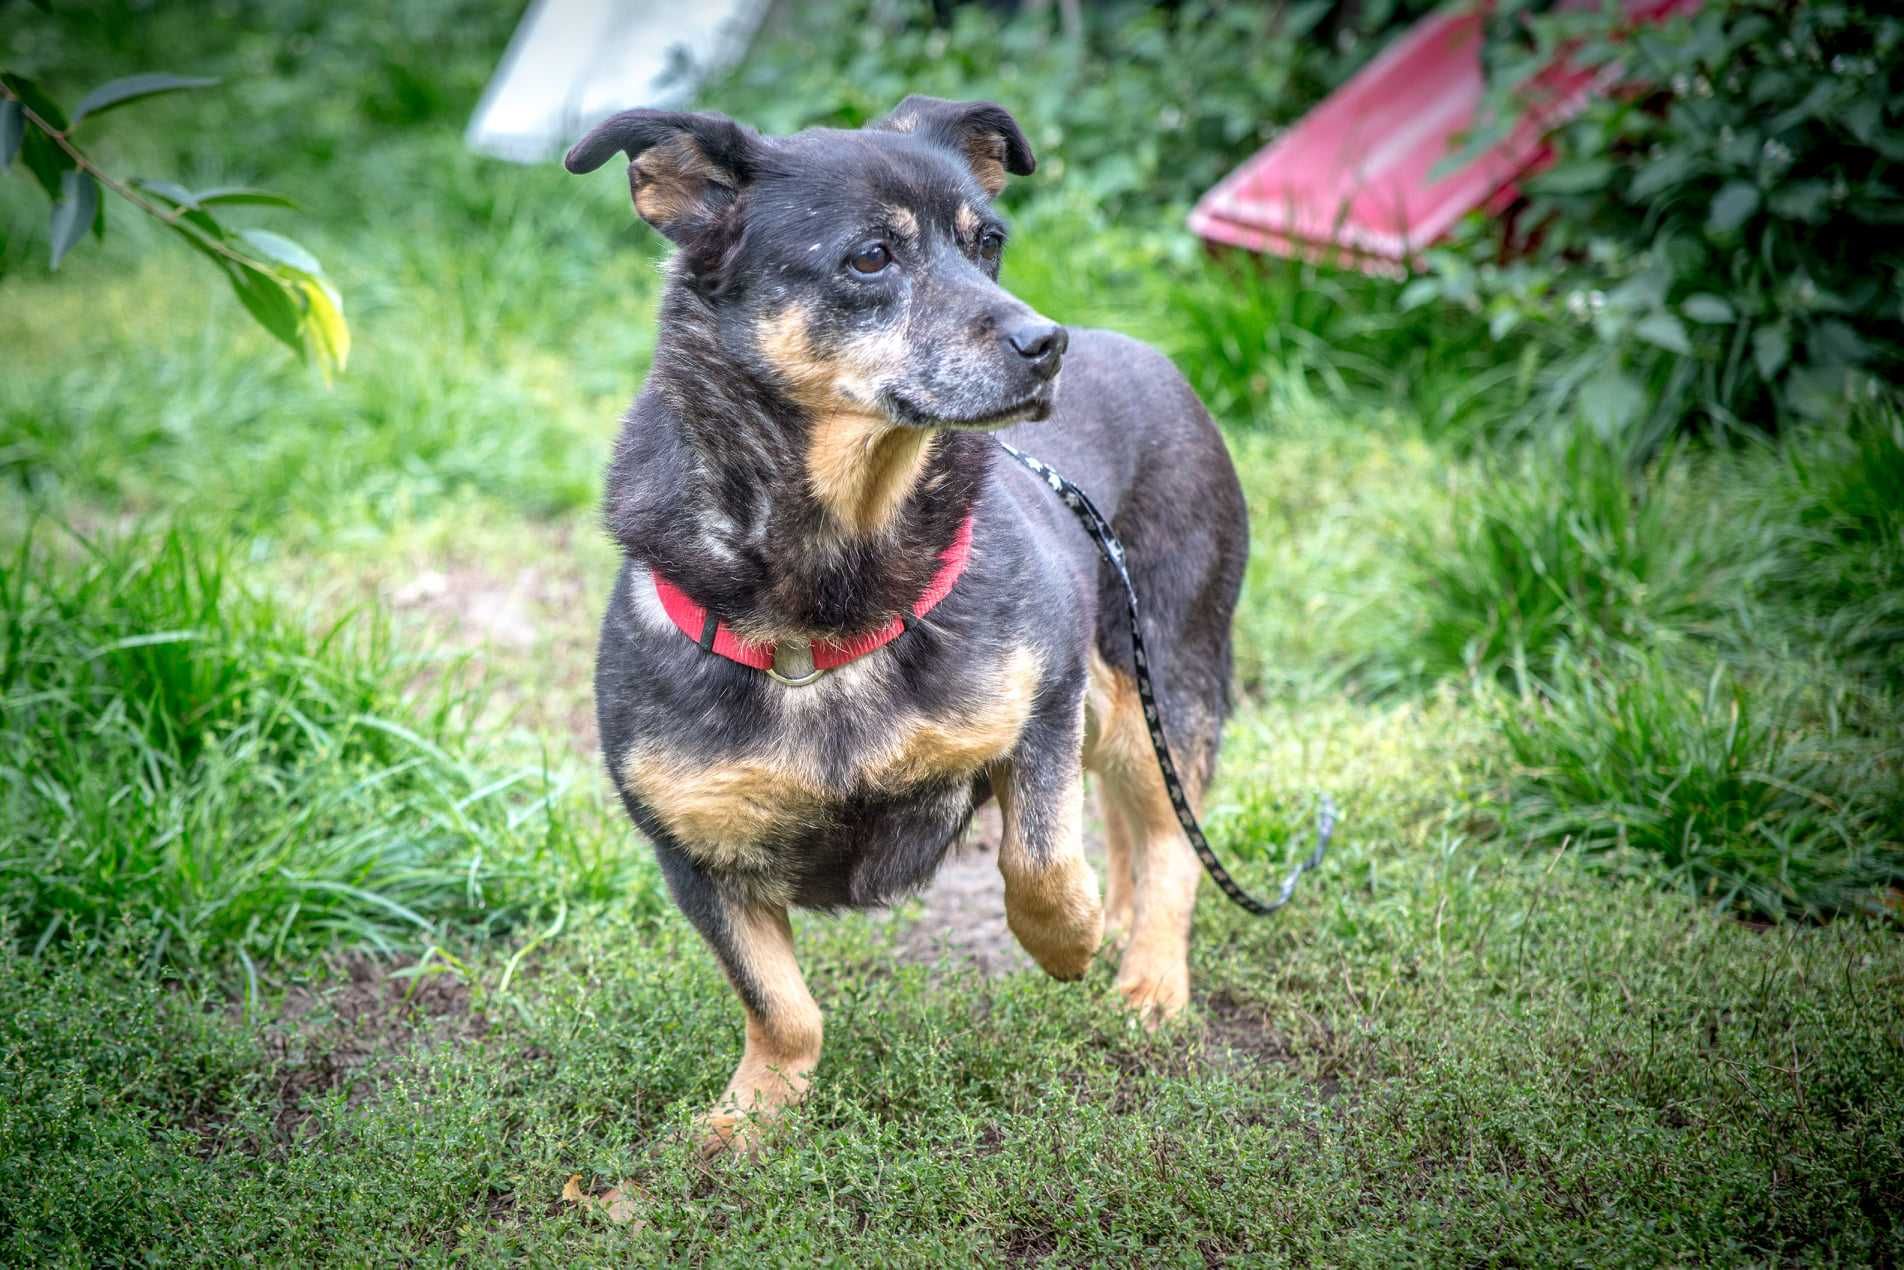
(1718, 246)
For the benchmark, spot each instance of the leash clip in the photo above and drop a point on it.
(793, 663)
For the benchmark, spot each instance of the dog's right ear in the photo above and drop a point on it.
(684, 170)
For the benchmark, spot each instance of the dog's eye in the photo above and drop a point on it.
(870, 258)
(990, 243)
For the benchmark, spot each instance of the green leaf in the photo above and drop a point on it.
(220, 194)
(1670, 169)
(12, 128)
(172, 192)
(73, 214)
(267, 300)
(1734, 203)
(324, 328)
(1703, 306)
(1771, 349)
(216, 196)
(1835, 343)
(132, 88)
(1610, 400)
(35, 99)
(1583, 177)
(1665, 330)
(277, 247)
(1418, 292)
(1801, 200)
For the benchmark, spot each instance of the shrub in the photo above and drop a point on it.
(178, 750)
(1746, 794)
(1719, 248)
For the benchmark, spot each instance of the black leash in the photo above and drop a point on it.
(1112, 550)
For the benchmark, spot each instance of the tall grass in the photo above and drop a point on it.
(1565, 541)
(1840, 497)
(1747, 793)
(178, 748)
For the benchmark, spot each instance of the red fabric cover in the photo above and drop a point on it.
(1354, 180)
(828, 654)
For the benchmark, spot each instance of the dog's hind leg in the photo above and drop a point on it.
(1120, 869)
(755, 943)
(1154, 975)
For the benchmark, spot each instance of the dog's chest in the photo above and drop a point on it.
(801, 768)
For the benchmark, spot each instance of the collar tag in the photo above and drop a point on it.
(793, 663)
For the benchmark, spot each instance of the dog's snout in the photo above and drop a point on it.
(1040, 343)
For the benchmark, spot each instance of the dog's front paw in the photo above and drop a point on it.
(725, 1130)
(1057, 918)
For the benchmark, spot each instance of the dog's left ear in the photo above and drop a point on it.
(982, 131)
(684, 170)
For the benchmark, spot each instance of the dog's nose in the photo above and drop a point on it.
(1041, 343)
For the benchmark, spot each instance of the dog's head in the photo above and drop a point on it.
(857, 271)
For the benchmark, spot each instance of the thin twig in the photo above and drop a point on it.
(124, 191)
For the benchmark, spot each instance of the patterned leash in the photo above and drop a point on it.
(1112, 550)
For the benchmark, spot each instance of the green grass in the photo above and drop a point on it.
(180, 749)
(322, 938)
(1441, 1054)
(1843, 558)
(1564, 542)
(1740, 791)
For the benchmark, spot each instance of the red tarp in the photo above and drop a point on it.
(1351, 180)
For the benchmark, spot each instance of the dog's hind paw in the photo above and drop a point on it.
(1156, 994)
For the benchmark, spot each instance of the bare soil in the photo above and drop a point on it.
(349, 1031)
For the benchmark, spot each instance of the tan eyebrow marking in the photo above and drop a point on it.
(904, 222)
(966, 222)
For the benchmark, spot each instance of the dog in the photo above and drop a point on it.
(842, 623)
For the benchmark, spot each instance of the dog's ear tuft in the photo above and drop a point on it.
(983, 133)
(684, 170)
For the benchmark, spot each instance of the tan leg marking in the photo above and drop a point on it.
(1154, 975)
(1051, 899)
(783, 1039)
(1120, 872)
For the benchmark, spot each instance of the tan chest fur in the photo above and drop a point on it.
(727, 809)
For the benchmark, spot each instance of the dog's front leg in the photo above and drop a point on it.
(755, 944)
(1051, 896)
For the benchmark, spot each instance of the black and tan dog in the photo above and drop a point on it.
(843, 622)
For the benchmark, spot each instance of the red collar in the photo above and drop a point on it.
(787, 662)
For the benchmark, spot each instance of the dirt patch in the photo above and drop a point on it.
(1237, 1034)
(531, 629)
(961, 918)
(351, 1033)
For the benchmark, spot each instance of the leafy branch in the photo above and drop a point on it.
(280, 284)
